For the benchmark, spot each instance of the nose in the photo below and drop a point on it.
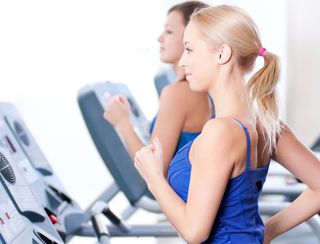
(160, 38)
(182, 62)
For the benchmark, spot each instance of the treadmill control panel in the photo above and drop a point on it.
(22, 218)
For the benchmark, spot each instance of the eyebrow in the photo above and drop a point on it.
(169, 25)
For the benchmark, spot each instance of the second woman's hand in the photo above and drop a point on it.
(117, 111)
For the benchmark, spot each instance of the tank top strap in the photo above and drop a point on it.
(152, 123)
(213, 111)
(248, 143)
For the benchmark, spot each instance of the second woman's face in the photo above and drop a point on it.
(171, 45)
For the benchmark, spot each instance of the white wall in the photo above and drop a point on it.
(303, 69)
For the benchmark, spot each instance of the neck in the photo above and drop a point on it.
(230, 95)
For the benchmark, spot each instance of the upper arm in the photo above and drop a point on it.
(170, 121)
(297, 158)
(212, 161)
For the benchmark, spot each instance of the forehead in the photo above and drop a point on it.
(191, 34)
(175, 18)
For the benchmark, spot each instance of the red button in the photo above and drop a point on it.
(53, 219)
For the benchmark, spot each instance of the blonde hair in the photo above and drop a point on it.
(233, 26)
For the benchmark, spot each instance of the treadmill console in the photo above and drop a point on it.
(22, 218)
(41, 181)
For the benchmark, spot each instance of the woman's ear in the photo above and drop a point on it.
(224, 53)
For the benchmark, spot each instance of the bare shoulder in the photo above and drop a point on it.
(217, 142)
(177, 88)
(222, 134)
(221, 128)
(175, 94)
(180, 91)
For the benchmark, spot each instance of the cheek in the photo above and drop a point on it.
(198, 66)
(176, 45)
(202, 73)
(174, 40)
(208, 72)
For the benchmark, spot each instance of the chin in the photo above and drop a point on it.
(165, 60)
(164, 57)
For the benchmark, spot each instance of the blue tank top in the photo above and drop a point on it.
(185, 136)
(238, 219)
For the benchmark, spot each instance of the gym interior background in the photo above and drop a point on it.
(50, 49)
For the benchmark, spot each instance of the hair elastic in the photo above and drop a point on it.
(262, 51)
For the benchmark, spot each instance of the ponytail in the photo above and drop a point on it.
(261, 88)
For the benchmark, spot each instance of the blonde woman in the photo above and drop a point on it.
(214, 182)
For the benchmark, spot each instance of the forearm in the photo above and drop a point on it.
(303, 208)
(130, 137)
(171, 205)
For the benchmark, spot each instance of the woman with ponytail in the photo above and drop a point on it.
(213, 184)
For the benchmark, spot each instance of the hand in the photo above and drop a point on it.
(117, 110)
(149, 162)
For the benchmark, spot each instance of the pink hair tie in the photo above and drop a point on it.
(262, 51)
